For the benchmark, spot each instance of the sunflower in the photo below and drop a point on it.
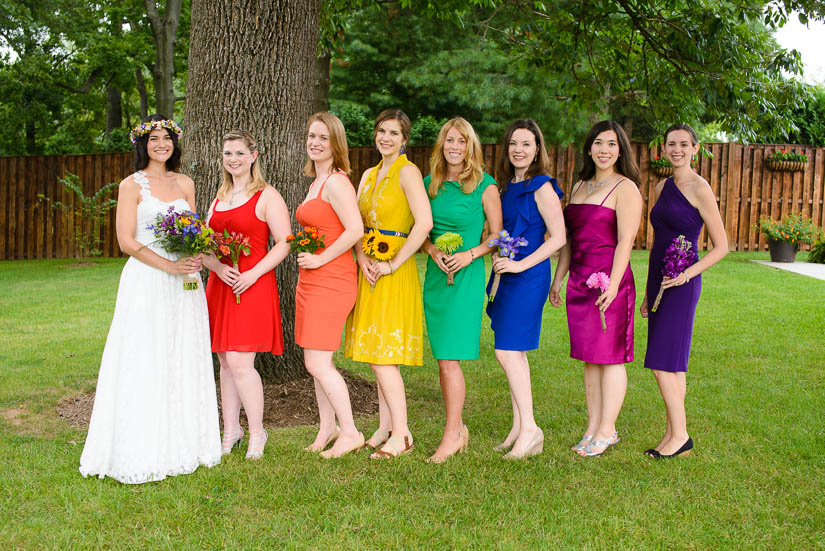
(383, 249)
(368, 241)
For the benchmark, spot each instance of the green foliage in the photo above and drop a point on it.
(817, 252)
(425, 129)
(783, 155)
(659, 162)
(356, 120)
(448, 242)
(89, 213)
(793, 229)
(808, 118)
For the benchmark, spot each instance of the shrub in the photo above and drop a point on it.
(817, 252)
(793, 229)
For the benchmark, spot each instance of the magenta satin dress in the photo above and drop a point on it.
(592, 232)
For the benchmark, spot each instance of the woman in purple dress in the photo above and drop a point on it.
(602, 220)
(684, 202)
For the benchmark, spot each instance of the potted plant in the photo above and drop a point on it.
(784, 237)
(788, 162)
(661, 167)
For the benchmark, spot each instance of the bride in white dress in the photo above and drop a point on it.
(155, 413)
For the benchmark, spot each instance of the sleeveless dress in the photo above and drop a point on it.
(515, 314)
(324, 296)
(155, 412)
(385, 327)
(592, 232)
(453, 312)
(254, 325)
(670, 327)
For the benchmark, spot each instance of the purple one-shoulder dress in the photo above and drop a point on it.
(670, 327)
(593, 236)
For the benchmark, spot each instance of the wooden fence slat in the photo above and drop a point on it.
(817, 212)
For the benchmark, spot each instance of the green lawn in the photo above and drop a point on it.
(756, 393)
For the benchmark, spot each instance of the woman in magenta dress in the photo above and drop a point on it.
(245, 204)
(602, 220)
(327, 282)
(684, 202)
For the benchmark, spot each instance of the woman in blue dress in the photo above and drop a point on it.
(531, 209)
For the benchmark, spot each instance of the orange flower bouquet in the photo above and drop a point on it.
(233, 245)
(306, 241)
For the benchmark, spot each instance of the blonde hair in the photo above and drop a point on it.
(473, 171)
(257, 182)
(337, 140)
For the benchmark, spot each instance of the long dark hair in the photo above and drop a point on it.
(625, 165)
(540, 165)
(142, 156)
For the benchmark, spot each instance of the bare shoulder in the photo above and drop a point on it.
(271, 195)
(338, 181)
(410, 173)
(185, 182)
(128, 185)
(628, 187)
(697, 189)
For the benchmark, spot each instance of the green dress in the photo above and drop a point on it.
(453, 312)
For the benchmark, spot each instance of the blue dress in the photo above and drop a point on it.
(515, 314)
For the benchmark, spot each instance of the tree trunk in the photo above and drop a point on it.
(321, 100)
(164, 32)
(144, 100)
(114, 109)
(250, 67)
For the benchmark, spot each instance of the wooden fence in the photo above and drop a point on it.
(744, 187)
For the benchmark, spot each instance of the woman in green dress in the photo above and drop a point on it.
(462, 198)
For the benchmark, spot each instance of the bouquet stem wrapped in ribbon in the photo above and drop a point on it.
(678, 257)
(447, 243)
(507, 246)
(379, 246)
(183, 233)
(600, 281)
(233, 245)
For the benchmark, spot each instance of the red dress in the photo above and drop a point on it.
(324, 296)
(254, 325)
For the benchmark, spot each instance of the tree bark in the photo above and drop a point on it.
(321, 100)
(114, 109)
(164, 32)
(144, 100)
(251, 66)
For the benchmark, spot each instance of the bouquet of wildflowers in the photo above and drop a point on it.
(306, 241)
(379, 246)
(600, 281)
(678, 257)
(507, 246)
(183, 233)
(447, 243)
(233, 245)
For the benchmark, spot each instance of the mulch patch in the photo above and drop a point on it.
(285, 405)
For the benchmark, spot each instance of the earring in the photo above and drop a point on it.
(403, 148)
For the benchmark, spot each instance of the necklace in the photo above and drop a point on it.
(591, 187)
(234, 193)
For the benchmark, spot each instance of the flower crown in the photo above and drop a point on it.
(146, 127)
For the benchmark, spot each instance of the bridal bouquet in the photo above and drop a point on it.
(600, 281)
(447, 243)
(379, 246)
(306, 241)
(507, 246)
(184, 233)
(233, 245)
(678, 257)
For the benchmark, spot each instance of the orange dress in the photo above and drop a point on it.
(324, 296)
(254, 325)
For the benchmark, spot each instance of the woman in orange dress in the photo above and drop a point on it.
(248, 205)
(327, 281)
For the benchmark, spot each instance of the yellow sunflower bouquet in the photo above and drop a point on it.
(379, 246)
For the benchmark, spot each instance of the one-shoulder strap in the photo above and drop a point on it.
(143, 181)
(611, 191)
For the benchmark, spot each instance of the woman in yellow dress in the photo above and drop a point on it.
(385, 327)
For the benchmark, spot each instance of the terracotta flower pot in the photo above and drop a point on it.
(782, 251)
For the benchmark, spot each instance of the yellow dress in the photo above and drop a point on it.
(385, 327)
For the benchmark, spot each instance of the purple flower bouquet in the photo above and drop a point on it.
(678, 257)
(507, 246)
(183, 233)
(600, 281)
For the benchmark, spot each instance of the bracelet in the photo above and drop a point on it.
(389, 263)
(472, 255)
(687, 277)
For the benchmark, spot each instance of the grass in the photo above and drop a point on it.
(755, 480)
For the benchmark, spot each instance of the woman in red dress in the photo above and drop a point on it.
(245, 204)
(327, 282)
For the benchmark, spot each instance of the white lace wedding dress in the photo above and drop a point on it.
(155, 413)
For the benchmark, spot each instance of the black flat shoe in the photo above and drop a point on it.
(653, 453)
(684, 450)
